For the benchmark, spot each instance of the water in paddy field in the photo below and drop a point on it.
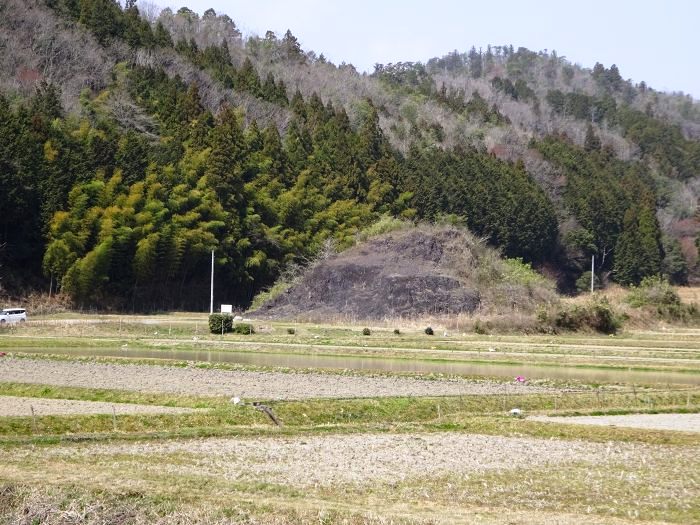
(459, 368)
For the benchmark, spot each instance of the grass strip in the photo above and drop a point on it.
(477, 413)
(109, 396)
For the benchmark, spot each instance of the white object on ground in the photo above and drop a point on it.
(682, 422)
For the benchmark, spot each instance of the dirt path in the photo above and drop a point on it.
(261, 385)
(685, 422)
(22, 406)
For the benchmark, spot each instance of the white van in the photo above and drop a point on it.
(13, 315)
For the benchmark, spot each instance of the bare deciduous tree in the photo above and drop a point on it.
(37, 45)
(149, 11)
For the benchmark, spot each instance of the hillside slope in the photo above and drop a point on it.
(414, 272)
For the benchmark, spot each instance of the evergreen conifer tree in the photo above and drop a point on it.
(161, 36)
(225, 161)
(638, 252)
(592, 142)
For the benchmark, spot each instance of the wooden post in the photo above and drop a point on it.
(114, 419)
(31, 407)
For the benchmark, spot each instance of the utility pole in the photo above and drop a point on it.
(592, 273)
(211, 295)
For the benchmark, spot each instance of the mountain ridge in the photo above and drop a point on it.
(531, 111)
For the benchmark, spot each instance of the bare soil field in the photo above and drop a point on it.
(683, 422)
(244, 384)
(310, 461)
(22, 406)
(426, 478)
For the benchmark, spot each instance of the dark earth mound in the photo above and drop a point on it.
(407, 273)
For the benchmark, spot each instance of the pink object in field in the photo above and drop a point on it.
(520, 379)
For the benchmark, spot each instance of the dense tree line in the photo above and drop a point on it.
(614, 205)
(130, 220)
(495, 199)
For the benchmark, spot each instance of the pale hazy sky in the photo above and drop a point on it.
(656, 41)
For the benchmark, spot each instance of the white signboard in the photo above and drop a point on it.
(226, 308)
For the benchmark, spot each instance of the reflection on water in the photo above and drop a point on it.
(465, 368)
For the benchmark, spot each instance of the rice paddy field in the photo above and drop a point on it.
(151, 419)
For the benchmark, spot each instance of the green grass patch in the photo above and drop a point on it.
(175, 427)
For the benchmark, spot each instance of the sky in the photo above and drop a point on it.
(655, 41)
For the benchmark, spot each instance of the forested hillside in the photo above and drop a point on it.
(133, 142)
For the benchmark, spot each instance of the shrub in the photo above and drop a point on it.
(291, 331)
(583, 283)
(366, 331)
(243, 328)
(519, 272)
(385, 224)
(481, 328)
(397, 331)
(596, 314)
(687, 313)
(655, 291)
(429, 331)
(281, 286)
(220, 323)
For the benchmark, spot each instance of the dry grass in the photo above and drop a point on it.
(644, 487)
(689, 294)
(640, 318)
(615, 294)
(235, 481)
(41, 304)
(25, 504)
